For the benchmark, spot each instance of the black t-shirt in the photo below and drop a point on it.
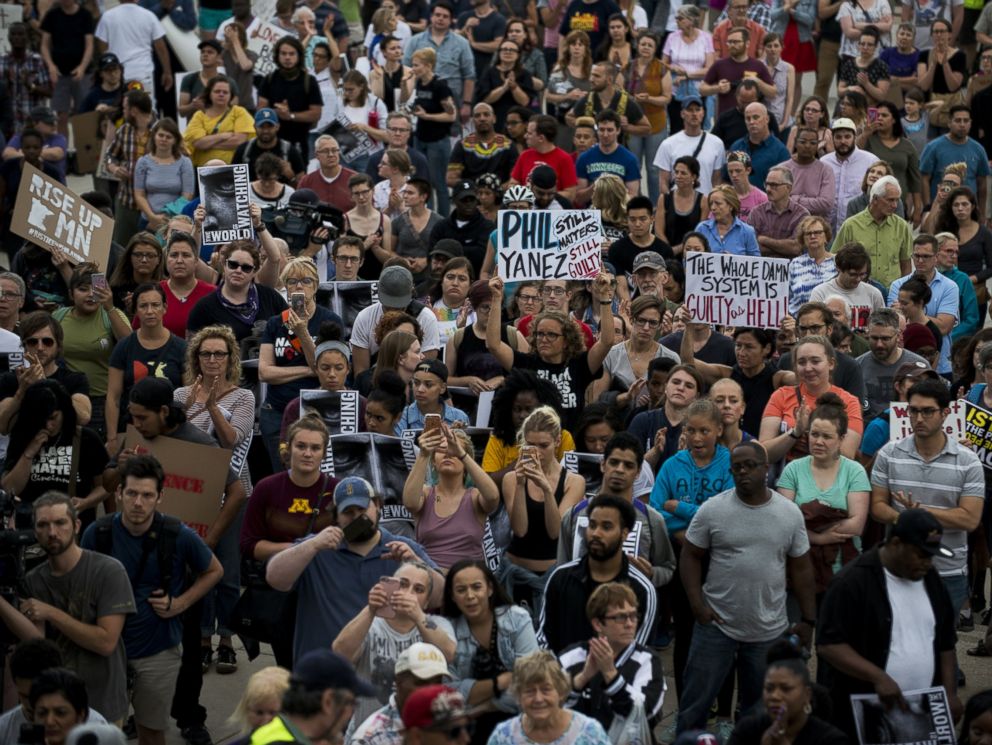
(623, 252)
(52, 466)
(718, 349)
(209, 311)
(68, 36)
(73, 382)
(571, 379)
(750, 731)
(249, 152)
(490, 28)
(593, 18)
(430, 96)
(300, 93)
(473, 235)
(138, 363)
(757, 391)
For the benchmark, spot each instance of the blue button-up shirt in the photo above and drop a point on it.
(739, 240)
(943, 299)
(455, 63)
(766, 154)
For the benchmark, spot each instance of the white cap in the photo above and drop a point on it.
(843, 123)
(424, 660)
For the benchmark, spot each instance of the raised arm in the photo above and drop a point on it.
(496, 346)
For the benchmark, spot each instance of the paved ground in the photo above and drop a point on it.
(221, 692)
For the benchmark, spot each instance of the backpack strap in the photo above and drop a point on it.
(168, 528)
(103, 528)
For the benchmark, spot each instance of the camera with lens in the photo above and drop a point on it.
(300, 218)
(13, 552)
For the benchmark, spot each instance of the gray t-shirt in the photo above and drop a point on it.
(97, 586)
(617, 362)
(861, 301)
(880, 379)
(748, 547)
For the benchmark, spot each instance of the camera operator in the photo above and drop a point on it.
(307, 226)
(83, 598)
(156, 550)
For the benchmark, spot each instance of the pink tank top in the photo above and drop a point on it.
(448, 539)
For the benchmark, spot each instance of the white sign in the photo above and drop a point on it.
(262, 41)
(900, 427)
(730, 290)
(9, 15)
(549, 244)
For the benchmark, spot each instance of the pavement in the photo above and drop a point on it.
(221, 693)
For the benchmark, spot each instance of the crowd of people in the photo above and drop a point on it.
(590, 471)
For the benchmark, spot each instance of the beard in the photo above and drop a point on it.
(604, 551)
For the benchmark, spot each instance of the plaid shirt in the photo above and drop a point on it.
(758, 11)
(124, 151)
(20, 76)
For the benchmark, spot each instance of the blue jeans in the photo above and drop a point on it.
(219, 602)
(438, 154)
(644, 148)
(957, 588)
(711, 656)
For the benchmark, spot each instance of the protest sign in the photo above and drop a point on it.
(925, 720)
(729, 290)
(225, 193)
(348, 299)
(379, 459)
(53, 216)
(978, 431)
(900, 427)
(9, 15)
(354, 143)
(548, 244)
(87, 135)
(262, 41)
(195, 477)
(337, 409)
(588, 466)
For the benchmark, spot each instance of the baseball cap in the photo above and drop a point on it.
(353, 491)
(841, 123)
(463, 189)
(921, 529)
(395, 287)
(435, 367)
(916, 336)
(691, 100)
(423, 660)
(433, 707)
(448, 247)
(152, 392)
(321, 669)
(649, 260)
(544, 177)
(915, 369)
(108, 60)
(266, 116)
(306, 197)
(212, 43)
(96, 734)
(42, 114)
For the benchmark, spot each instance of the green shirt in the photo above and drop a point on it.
(88, 345)
(887, 243)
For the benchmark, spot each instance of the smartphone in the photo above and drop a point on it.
(99, 281)
(357, 527)
(432, 422)
(390, 585)
(32, 734)
(528, 452)
(298, 302)
(872, 114)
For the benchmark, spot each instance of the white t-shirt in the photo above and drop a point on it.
(711, 156)
(129, 32)
(362, 331)
(403, 32)
(861, 301)
(910, 662)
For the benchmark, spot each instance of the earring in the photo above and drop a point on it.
(808, 708)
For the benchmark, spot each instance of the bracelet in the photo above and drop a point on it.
(263, 228)
(811, 622)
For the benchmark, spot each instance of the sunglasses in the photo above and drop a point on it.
(47, 341)
(246, 268)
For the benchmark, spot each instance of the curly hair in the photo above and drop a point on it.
(574, 343)
(224, 333)
(393, 319)
(519, 381)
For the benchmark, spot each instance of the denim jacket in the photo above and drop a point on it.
(515, 638)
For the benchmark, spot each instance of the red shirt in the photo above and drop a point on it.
(558, 159)
(335, 193)
(177, 311)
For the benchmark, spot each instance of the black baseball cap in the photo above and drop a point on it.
(921, 529)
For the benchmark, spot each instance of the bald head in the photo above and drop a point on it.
(756, 120)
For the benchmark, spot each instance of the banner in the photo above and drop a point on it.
(729, 290)
(354, 143)
(927, 719)
(262, 41)
(548, 244)
(978, 431)
(9, 15)
(378, 459)
(51, 215)
(900, 427)
(225, 193)
(87, 136)
(195, 477)
(348, 299)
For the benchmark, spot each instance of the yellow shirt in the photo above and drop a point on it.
(237, 120)
(499, 455)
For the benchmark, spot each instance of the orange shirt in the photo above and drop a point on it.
(784, 403)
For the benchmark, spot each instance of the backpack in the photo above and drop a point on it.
(163, 535)
(60, 313)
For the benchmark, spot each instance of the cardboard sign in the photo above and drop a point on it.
(587, 465)
(548, 244)
(729, 290)
(87, 135)
(926, 720)
(262, 41)
(9, 15)
(195, 477)
(51, 215)
(900, 427)
(225, 193)
(978, 431)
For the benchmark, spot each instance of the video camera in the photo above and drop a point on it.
(298, 220)
(13, 548)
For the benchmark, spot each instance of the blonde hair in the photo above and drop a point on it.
(542, 419)
(426, 56)
(943, 238)
(959, 169)
(805, 224)
(727, 192)
(300, 265)
(609, 195)
(540, 667)
(268, 682)
(224, 333)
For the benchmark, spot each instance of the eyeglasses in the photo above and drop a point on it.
(246, 268)
(770, 184)
(528, 298)
(622, 617)
(205, 355)
(347, 259)
(813, 329)
(810, 233)
(923, 257)
(34, 341)
(548, 335)
(556, 291)
(9, 294)
(299, 281)
(648, 323)
(329, 151)
(361, 193)
(925, 412)
(145, 256)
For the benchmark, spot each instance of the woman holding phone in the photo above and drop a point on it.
(451, 514)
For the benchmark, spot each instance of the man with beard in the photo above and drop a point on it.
(753, 540)
(849, 165)
(543, 181)
(885, 358)
(442, 252)
(80, 599)
(956, 147)
(334, 575)
(483, 151)
(606, 95)
(267, 140)
(563, 619)
(648, 547)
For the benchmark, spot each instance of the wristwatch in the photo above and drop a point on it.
(292, 116)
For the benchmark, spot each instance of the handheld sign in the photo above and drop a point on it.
(901, 428)
(729, 290)
(52, 216)
(926, 719)
(262, 41)
(225, 193)
(978, 431)
(548, 244)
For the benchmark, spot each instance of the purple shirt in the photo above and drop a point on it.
(813, 186)
(767, 221)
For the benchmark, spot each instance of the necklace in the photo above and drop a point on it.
(181, 298)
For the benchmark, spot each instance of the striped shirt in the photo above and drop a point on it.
(940, 483)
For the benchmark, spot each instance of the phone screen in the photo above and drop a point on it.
(298, 302)
(99, 281)
(390, 585)
(432, 422)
